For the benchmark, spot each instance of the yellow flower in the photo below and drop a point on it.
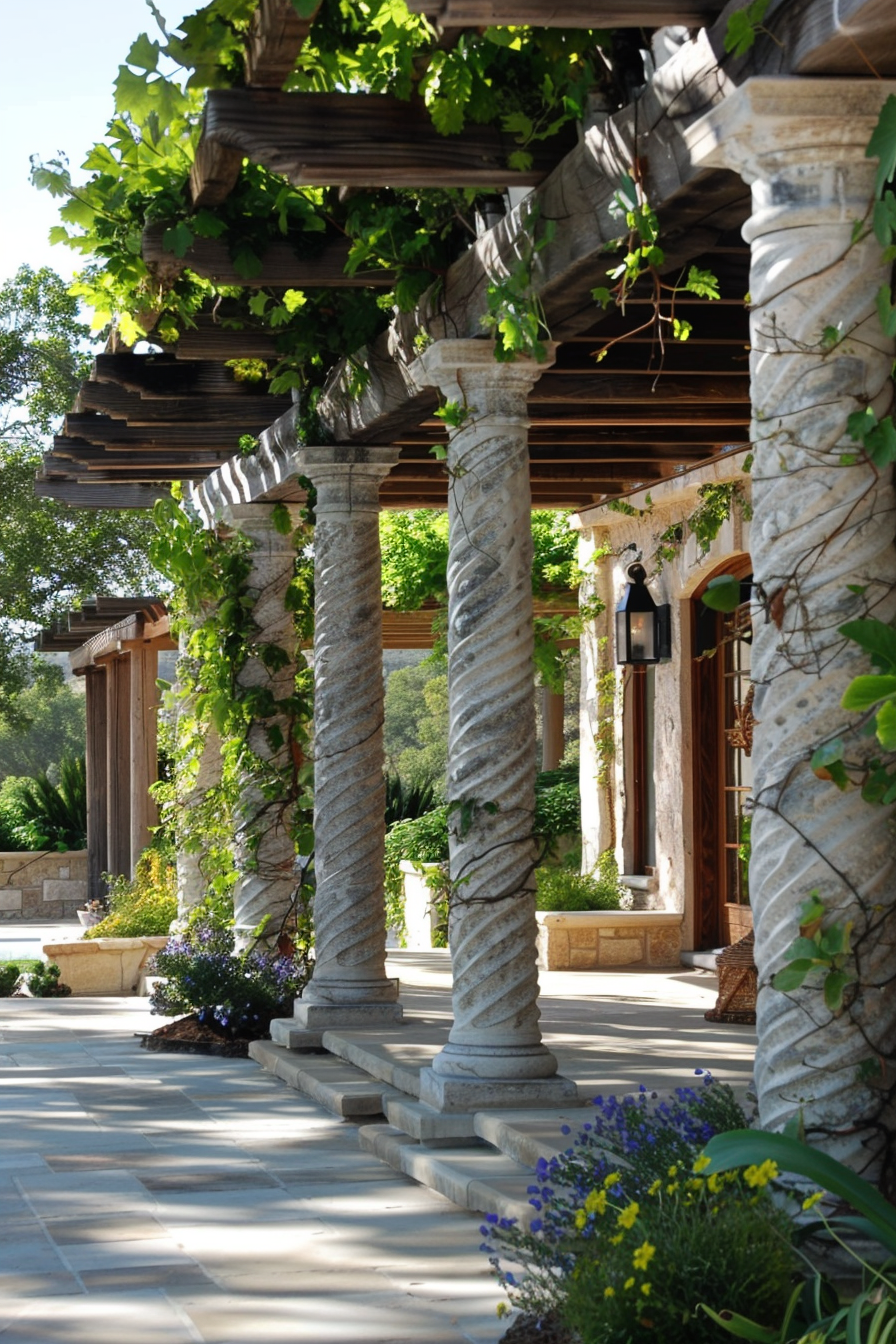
(757, 1177)
(714, 1182)
(581, 1218)
(614, 1241)
(645, 1289)
(628, 1215)
(501, 1309)
(609, 1292)
(611, 1180)
(655, 1188)
(643, 1255)
(694, 1183)
(811, 1200)
(596, 1202)
(673, 1171)
(670, 1189)
(629, 1283)
(702, 1163)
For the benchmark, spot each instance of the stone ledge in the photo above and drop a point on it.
(591, 939)
(105, 965)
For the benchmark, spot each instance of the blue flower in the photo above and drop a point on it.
(535, 1225)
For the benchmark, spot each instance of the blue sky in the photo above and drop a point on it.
(58, 62)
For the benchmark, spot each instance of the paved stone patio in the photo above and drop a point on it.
(148, 1197)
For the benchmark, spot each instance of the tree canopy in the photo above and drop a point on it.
(50, 557)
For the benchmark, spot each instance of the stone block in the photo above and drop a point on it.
(621, 951)
(582, 959)
(65, 889)
(11, 899)
(475, 1094)
(583, 937)
(664, 947)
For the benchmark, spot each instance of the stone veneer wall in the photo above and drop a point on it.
(45, 884)
(590, 940)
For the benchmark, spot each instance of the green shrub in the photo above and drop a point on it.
(9, 977)
(13, 825)
(405, 802)
(145, 906)
(54, 816)
(44, 982)
(562, 889)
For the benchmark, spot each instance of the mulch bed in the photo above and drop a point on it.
(531, 1330)
(189, 1036)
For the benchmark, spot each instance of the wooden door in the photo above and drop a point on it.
(722, 770)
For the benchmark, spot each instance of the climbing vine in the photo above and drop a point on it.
(212, 609)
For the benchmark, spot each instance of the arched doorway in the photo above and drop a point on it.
(723, 775)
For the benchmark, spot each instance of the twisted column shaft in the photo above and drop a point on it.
(491, 735)
(349, 981)
(265, 851)
(819, 526)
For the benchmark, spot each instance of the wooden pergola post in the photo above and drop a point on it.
(97, 774)
(144, 669)
(118, 765)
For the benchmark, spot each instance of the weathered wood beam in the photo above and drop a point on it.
(234, 412)
(275, 39)
(213, 176)
(101, 429)
(579, 198)
(354, 139)
(837, 37)
(604, 387)
(567, 13)
(206, 341)
(282, 268)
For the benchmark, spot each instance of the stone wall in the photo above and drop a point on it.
(42, 885)
(591, 940)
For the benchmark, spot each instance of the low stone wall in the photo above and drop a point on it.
(45, 884)
(589, 940)
(104, 965)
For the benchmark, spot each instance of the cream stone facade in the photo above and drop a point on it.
(612, 802)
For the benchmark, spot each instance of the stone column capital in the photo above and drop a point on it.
(255, 520)
(461, 367)
(347, 477)
(774, 122)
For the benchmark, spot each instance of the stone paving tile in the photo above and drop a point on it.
(66, 1194)
(107, 1255)
(249, 1179)
(170, 1277)
(30, 1250)
(30, 1283)
(237, 1207)
(138, 1318)
(111, 1227)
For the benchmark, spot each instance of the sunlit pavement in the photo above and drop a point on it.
(148, 1197)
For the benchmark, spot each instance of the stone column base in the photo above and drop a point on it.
(326, 1016)
(481, 1094)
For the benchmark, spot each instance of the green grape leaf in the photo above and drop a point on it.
(882, 145)
(144, 54)
(722, 593)
(876, 638)
(834, 985)
(864, 692)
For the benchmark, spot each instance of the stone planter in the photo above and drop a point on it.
(591, 940)
(105, 965)
(420, 915)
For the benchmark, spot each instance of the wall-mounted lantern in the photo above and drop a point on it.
(643, 630)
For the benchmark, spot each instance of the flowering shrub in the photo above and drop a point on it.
(239, 991)
(631, 1234)
(144, 906)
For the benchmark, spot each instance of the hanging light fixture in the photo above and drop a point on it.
(643, 630)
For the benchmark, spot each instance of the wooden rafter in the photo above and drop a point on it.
(350, 139)
(275, 40)
(567, 13)
(282, 268)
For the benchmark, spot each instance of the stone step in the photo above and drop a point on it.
(479, 1179)
(529, 1136)
(337, 1086)
(397, 1063)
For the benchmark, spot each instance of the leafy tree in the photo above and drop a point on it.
(416, 723)
(50, 557)
(49, 725)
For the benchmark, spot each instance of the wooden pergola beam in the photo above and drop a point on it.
(350, 139)
(567, 13)
(275, 39)
(282, 267)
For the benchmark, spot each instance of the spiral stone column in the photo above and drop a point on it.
(822, 542)
(265, 852)
(199, 772)
(494, 1055)
(349, 986)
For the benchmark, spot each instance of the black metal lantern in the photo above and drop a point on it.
(643, 630)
